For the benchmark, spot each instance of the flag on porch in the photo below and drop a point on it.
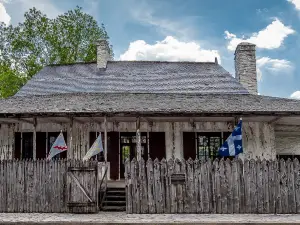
(96, 148)
(233, 145)
(58, 146)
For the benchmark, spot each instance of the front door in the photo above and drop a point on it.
(128, 148)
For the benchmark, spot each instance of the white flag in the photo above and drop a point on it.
(96, 148)
(58, 146)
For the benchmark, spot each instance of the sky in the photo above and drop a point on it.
(194, 30)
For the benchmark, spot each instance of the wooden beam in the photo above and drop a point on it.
(34, 137)
(272, 121)
(27, 121)
(138, 140)
(78, 121)
(105, 139)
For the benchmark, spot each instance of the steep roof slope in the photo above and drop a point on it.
(133, 77)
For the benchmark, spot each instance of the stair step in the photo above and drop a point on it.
(114, 203)
(115, 189)
(114, 208)
(115, 198)
(116, 193)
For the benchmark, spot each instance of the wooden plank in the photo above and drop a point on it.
(167, 187)
(253, 186)
(179, 187)
(223, 187)
(214, 186)
(197, 177)
(278, 204)
(173, 194)
(218, 188)
(209, 186)
(242, 185)
(183, 184)
(265, 181)
(128, 185)
(271, 186)
(284, 187)
(151, 190)
(260, 197)
(163, 175)
(291, 187)
(157, 187)
(297, 184)
(236, 187)
(230, 184)
(135, 189)
(190, 205)
(143, 187)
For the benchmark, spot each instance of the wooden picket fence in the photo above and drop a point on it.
(42, 186)
(179, 186)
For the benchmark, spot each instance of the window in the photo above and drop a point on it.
(44, 141)
(203, 145)
(208, 144)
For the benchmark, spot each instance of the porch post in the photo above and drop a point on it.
(138, 140)
(70, 137)
(105, 139)
(34, 138)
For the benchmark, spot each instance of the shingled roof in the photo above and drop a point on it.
(133, 77)
(158, 104)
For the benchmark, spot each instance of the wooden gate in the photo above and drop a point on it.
(82, 189)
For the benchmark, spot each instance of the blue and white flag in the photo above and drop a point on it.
(58, 146)
(233, 145)
(96, 148)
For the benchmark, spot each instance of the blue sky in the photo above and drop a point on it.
(195, 30)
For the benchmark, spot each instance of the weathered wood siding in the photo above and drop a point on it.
(259, 138)
(37, 186)
(287, 140)
(224, 187)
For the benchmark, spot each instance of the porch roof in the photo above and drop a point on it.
(83, 104)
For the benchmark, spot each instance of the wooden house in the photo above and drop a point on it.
(178, 109)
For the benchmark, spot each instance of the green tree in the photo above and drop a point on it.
(40, 41)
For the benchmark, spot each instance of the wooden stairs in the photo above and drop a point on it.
(114, 200)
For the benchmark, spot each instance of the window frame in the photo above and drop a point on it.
(212, 155)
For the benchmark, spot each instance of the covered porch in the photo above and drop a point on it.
(146, 136)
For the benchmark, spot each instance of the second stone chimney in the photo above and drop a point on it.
(103, 54)
(245, 66)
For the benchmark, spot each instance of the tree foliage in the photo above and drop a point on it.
(38, 41)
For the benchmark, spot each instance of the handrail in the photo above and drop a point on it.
(104, 176)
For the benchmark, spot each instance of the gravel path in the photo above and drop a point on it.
(122, 218)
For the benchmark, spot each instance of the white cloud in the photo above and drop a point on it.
(296, 95)
(269, 38)
(296, 3)
(169, 49)
(45, 6)
(146, 14)
(275, 66)
(4, 17)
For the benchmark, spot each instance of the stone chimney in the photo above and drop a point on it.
(102, 53)
(245, 66)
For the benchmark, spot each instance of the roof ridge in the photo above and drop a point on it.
(131, 61)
